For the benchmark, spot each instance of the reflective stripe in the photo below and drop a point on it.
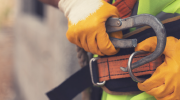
(153, 7)
(113, 1)
(107, 96)
(141, 96)
(95, 56)
(173, 7)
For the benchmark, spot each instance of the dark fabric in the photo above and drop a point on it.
(124, 84)
(162, 15)
(135, 9)
(72, 86)
(172, 29)
(95, 71)
(96, 93)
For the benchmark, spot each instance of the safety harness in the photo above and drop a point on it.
(82, 79)
(108, 68)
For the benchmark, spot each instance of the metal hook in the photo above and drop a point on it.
(139, 20)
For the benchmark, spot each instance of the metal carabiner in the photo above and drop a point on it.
(136, 79)
(112, 25)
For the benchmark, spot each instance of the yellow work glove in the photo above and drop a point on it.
(164, 84)
(86, 24)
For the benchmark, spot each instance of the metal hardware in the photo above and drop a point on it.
(139, 20)
(111, 23)
(123, 43)
(136, 79)
(91, 72)
(117, 24)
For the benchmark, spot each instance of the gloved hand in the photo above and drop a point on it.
(164, 84)
(86, 24)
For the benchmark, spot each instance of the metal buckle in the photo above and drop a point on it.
(136, 79)
(95, 82)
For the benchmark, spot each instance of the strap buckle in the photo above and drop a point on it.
(94, 72)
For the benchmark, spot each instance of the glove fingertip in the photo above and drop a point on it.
(105, 45)
(147, 45)
(116, 34)
(141, 86)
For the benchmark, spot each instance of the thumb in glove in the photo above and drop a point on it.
(164, 84)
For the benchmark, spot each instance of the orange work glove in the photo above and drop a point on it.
(164, 84)
(86, 24)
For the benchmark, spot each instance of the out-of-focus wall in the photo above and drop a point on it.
(6, 46)
(6, 66)
(6, 12)
(43, 57)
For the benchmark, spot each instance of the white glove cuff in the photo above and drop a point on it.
(77, 10)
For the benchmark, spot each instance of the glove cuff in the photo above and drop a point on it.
(77, 10)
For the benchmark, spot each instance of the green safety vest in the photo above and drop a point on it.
(152, 7)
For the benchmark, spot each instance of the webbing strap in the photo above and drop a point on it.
(82, 79)
(72, 86)
(109, 67)
(124, 7)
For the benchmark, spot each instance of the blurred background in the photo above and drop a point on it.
(35, 55)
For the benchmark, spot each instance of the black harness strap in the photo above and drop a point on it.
(72, 86)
